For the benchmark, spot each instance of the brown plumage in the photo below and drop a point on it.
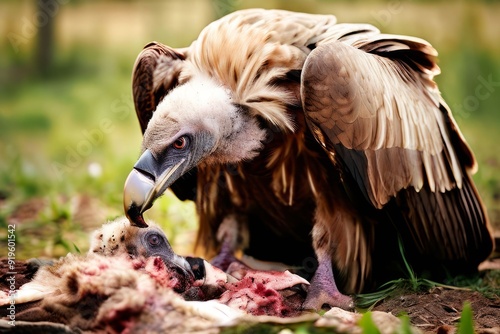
(314, 141)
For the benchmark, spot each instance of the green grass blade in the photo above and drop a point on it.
(411, 273)
(466, 324)
(367, 325)
(405, 325)
(76, 248)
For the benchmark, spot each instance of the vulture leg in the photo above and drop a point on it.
(231, 235)
(225, 256)
(339, 239)
(323, 291)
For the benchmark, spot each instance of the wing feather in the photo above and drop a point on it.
(372, 99)
(155, 73)
(371, 103)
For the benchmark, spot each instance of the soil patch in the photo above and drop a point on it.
(438, 311)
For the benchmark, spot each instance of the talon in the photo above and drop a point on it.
(323, 292)
(318, 300)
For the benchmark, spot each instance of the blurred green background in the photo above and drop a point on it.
(68, 132)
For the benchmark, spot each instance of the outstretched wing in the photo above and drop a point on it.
(371, 102)
(156, 72)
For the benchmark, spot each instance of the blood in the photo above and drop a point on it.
(170, 277)
(252, 295)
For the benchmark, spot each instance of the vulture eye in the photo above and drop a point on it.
(154, 239)
(180, 143)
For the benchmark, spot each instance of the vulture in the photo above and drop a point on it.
(321, 145)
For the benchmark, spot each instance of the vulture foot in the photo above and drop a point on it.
(323, 292)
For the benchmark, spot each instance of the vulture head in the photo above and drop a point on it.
(197, 122)
(119, 239)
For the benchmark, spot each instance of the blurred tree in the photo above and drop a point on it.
(46, 11)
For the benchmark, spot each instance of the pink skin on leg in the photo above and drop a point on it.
(233, 235)
(323, 290)
(333, 234)
(225, 257)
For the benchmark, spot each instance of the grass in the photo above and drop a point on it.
(488, 285)
(466, 324)
(389, 289)
(367, 325)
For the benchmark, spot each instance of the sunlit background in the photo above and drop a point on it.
(68, 132)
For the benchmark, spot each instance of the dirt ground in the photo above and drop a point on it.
(438, 311)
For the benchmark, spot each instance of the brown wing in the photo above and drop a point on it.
(156, 72)
(373, 105)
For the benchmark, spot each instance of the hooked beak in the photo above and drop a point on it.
(182, 265)
(145, 183)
